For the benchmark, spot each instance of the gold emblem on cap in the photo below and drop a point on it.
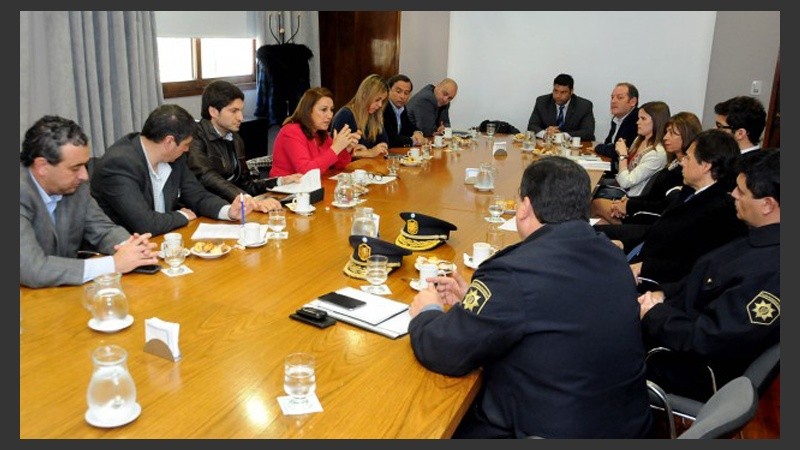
(364, 251)
(412, 226)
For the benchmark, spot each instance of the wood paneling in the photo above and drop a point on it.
(772, 132)
(355, 44)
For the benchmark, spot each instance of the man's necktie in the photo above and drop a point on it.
(610, 138)
(560, 118)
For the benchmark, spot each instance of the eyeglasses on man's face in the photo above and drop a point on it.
(722, 126)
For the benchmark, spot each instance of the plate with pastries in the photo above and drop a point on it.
(444, 265)
(519, 137)
(509, 206)
(210, 250)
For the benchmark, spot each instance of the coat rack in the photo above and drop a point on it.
(282, 29)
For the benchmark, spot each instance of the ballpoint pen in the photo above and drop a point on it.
(241, 200)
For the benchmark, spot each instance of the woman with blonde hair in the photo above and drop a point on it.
(303, 143)
(364, 113)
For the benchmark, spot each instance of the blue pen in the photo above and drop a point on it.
(241, 200)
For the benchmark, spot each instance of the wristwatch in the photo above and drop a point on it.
(621, 157)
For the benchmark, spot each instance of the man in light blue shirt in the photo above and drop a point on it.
(57, 215)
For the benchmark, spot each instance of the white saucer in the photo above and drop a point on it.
(253, 245)
(414, 283)
(304, 212)
(110, 326)
(346, 206)
(468, 262)
(94, 421)
(484, 189)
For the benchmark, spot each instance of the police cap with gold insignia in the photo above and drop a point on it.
(421, 232)
(364, 247)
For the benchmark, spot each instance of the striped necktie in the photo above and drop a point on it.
(560, 118)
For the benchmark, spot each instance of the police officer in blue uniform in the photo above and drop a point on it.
(552, 321)
(726, 312)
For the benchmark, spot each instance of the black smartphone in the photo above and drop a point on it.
(312, 313)
(148, 269)
(342, 301)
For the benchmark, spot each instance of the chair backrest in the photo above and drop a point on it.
(764, 368)
(726, 412)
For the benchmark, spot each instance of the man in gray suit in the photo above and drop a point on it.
(144, 183)
(562, 112)
(57, 214)
(429, 109)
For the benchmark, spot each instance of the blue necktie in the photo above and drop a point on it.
(560, 118)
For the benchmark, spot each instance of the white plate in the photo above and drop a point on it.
(484, 189)
(225, 251)
(97, 422)
(408, 163)
(346, 206)
(110, 326)
(468, 262)
(292, 208)
(185, 253)
(253, 245)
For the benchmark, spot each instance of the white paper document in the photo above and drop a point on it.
(217, 231)
(594, 164)
(384, 316)
(310, 182)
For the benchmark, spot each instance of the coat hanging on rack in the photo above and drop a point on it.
(283, 76)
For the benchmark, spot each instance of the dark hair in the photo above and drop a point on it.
(46, 137)
(565, 80)
(688, 126)
(762, 171)
(744, 112)
(302, 112)
(168, 120)
(219, 94)
(720, 150)
(399, 77)
(632, 91)
(558, 189)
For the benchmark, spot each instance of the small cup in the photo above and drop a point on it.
(360, 176)
(558, 138)
(251, 233)
(448, 133)
(301, 201)
(413, 153)
(426, 271)
(169, 237)
(576, 142)
(480, 252)
(438, 140)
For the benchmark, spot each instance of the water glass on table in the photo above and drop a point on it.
(276, 222)
(490, 129)
(299, 377)
(377, 272)
(496, 208)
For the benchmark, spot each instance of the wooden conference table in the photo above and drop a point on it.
(235, 331)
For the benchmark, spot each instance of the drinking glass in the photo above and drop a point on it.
(494, 236)
(376, 271)
(174, 255)
(496, 207)
(299, 377)
(490, 129)
(393, 163)
(277, 221)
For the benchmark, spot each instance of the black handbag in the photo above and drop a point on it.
(609, 192)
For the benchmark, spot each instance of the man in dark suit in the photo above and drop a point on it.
(625, 113)
(562, 112)
(398, 127)
(701, 218)
(744, 118)
(429, 109)
(57, 214)
(143, 182)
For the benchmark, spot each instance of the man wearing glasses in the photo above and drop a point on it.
(744, 117)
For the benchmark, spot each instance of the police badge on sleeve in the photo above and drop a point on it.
(764, 309)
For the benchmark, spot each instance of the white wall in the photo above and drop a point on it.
(424, 37)
(502, 60)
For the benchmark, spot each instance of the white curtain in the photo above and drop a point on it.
(99, 68)
(307, 34)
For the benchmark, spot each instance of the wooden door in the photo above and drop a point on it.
(772, 132)
(355, 44)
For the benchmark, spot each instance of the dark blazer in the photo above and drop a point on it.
(529, 319)
(686, 231)
(724, 314)
(121, 184)
(425, 113)
(627, 131)
(211, 162)
(402, 137)
(48, 251)
(579, 120)
(346, 116)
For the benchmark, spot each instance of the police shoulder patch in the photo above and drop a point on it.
(764, 308)
(476, 297)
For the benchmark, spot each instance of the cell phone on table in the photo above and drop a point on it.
(148, 269)
(342, 301)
